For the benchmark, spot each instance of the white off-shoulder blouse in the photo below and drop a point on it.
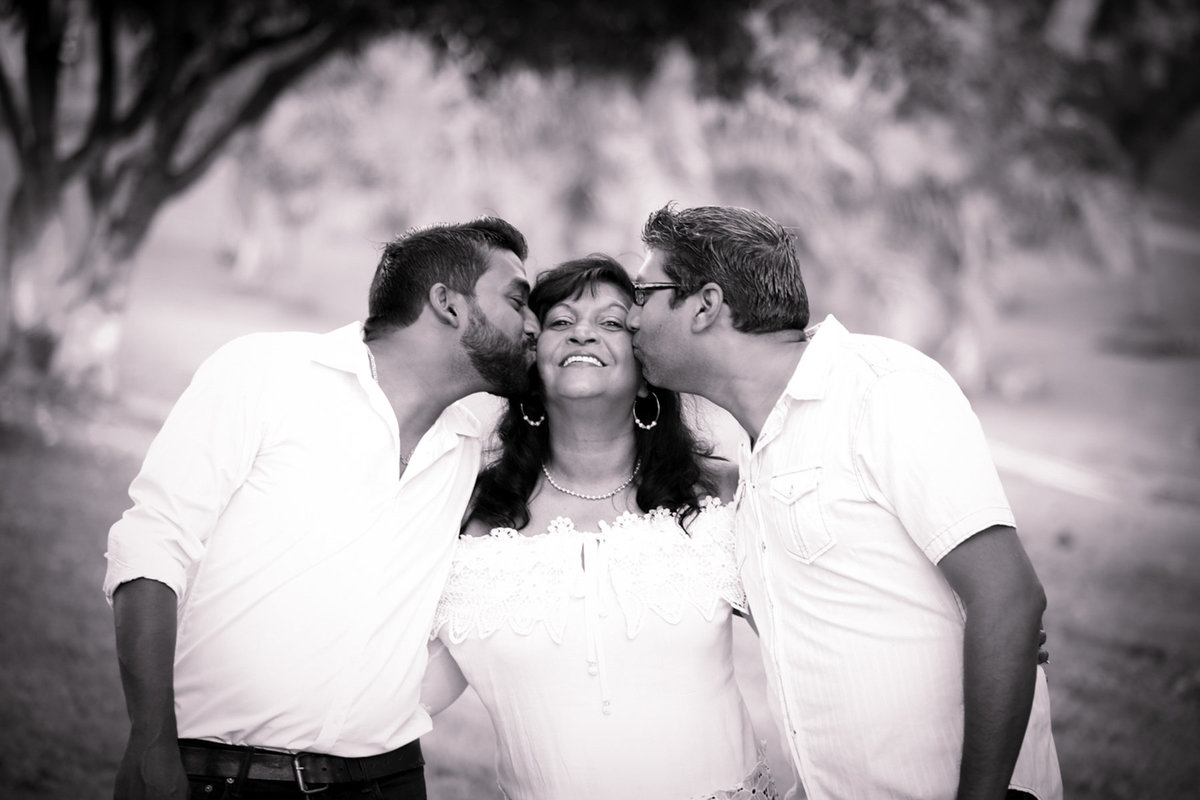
(605, 657)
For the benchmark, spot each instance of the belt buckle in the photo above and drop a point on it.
(298, 770)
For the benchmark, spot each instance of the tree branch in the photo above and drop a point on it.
(17, 126)
(228, 60)
(1161, 121)
(186, 103)
(100, 130)
(106, 92)
(157, 181)
(43, 43)
(255, 107)
(152, 96)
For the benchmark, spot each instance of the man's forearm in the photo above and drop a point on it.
(999, 676)
(1004, 603)
(145, 615)
(151, 768)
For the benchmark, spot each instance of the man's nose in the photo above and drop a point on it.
(633, 320)
(532, 328)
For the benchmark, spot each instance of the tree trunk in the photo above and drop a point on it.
(7, 323)
(972, 307)
(1148, 298)
(66, 298)
(8, 184)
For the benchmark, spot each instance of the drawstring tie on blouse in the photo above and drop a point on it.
(595, 607)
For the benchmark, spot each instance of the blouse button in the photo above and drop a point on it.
(593, 668)
(607, 707)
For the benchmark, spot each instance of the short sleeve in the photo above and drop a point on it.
(920, 452)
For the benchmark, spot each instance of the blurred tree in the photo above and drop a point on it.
(1131, 81)
(112, 107)
(1018, 123)
(576, 161)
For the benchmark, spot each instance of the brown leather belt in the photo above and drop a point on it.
(211, 759)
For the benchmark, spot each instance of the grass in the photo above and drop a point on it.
(62, 715)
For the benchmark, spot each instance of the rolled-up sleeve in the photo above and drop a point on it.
(194, 465)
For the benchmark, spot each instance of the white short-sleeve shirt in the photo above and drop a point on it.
(307, 568)
(869, 469)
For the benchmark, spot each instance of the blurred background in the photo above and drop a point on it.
(1011, 186)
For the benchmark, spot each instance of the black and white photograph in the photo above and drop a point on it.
(639, 399)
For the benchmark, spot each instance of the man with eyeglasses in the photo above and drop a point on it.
(898, 611)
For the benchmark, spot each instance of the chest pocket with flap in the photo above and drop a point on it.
(793, 507)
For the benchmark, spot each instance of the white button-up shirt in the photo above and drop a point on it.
(868, 470)
(307, 568)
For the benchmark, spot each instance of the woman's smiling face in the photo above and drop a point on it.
(585, 350)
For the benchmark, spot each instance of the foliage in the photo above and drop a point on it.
(948, 128)
(958, 130)
(116, 106)
(1137, 74)
(1059, 104)
(595, 37)
(912, 145)
(373, 144)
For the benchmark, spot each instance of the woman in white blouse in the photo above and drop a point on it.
(590, 600)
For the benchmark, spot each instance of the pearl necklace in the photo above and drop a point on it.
(636, 466)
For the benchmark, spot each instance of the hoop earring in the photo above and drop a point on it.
(525, 416)
(657, 413)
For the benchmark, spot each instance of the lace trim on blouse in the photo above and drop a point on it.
(758, 785)
(509, 580)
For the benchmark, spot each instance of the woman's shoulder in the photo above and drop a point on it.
(476, 528)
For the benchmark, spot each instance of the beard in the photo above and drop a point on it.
(501, 362)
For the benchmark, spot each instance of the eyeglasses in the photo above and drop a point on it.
(641, 291)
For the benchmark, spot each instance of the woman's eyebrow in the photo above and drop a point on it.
(570, 305)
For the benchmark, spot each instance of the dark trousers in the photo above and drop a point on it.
(407, 782)
(408, 785)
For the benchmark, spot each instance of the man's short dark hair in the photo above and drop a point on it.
(453, 254)
(753, 258)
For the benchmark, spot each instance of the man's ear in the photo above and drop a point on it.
(446, 305)
(710, 300)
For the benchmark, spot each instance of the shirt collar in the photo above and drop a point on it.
(809, 380)
(459, 420)
(344, 349)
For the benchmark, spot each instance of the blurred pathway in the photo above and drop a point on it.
(1095, 458)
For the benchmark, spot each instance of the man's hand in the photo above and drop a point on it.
(151, 771)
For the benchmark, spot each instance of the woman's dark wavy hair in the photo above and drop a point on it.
(673, 474)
